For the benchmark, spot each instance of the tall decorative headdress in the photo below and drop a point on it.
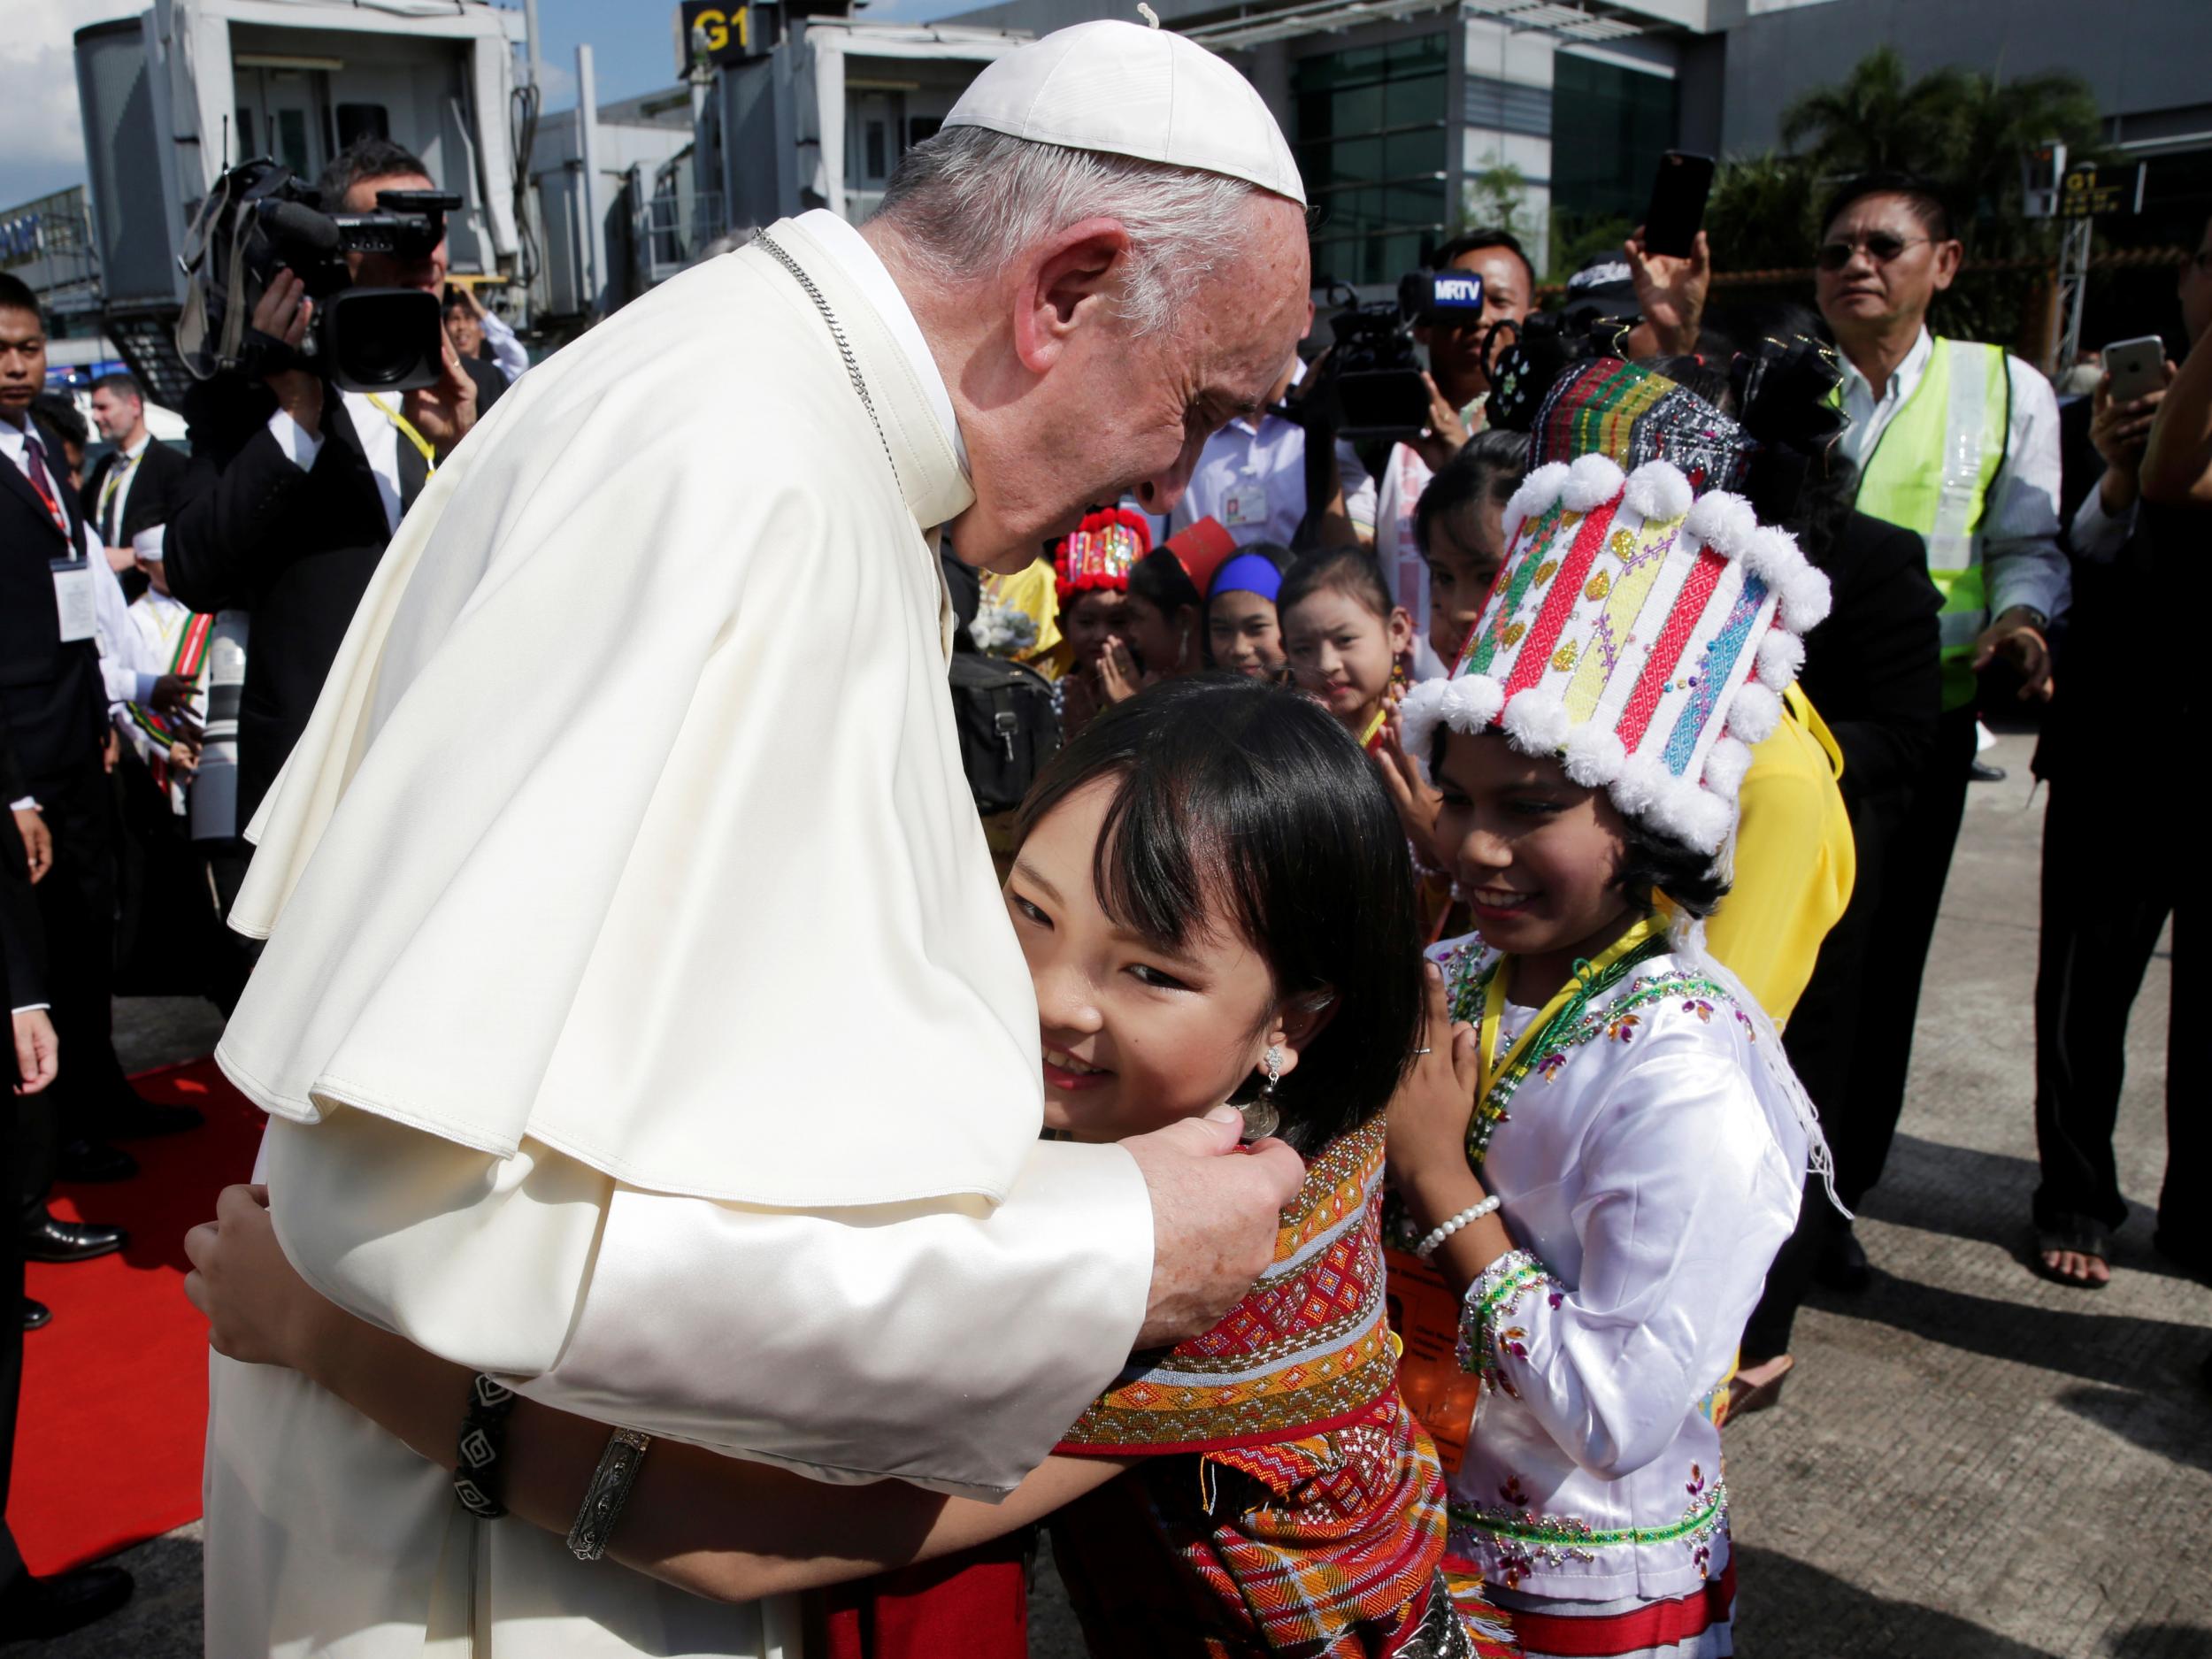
(1644, 624)
(1101, 552)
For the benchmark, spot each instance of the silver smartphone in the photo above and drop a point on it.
(2137, 367)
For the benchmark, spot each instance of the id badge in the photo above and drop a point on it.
(1244, 507)
(72, 598)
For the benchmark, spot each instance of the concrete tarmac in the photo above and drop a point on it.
(1967, 1463)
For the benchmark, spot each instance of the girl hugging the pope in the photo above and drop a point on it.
(1212, 891)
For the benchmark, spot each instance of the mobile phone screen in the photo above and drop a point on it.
(1677, 203)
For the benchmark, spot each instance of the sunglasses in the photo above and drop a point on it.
(1882, 246)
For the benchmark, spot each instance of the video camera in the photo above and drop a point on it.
(1373, 373)
(259, 218)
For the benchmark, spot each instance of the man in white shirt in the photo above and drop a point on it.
(1251, 480)
(472, 327)
(1958, 443)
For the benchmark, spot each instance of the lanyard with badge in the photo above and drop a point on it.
(73, 607)
(406, 429)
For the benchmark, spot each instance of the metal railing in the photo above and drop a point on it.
(673, 230)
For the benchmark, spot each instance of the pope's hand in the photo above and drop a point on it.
(259, 1309)
(1214, 1218)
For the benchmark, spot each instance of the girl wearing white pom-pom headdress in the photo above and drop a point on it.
(1636, 1144)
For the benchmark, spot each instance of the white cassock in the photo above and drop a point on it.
(639, 1019)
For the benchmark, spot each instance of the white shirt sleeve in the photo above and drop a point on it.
(508, 351)
(2020, 526)
(300, 448)
(2096, 535)
(947, 1343)
(126, 668)
(1687, 1203)
(1359, 489)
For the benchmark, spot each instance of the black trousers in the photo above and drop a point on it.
(1824, 1037)
(1915, 864)
(76, 904)
(10, 1314)
(2102, 919)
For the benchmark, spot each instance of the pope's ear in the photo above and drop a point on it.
(1063, 280)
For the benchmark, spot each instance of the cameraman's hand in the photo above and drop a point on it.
(1447, 434)
(443, 413)
(284, 314)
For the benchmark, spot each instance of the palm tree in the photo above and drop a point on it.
(1875, 119)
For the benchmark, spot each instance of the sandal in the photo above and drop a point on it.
(1756, 1387)
(2079, 1235)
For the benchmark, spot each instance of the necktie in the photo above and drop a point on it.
(111, 499)
(36, 452)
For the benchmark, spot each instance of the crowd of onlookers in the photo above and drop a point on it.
(1991, 547)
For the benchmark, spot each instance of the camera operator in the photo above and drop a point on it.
(1459, 385)
(309, 482)
(1251, 479)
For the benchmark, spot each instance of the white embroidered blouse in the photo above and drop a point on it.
(1649, 1170)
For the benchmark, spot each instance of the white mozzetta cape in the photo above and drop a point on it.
(638, 1016)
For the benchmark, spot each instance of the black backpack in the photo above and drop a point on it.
(1008, 728)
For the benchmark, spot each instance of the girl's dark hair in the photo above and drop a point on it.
(1650, 862)
(1276, 554)
(1489, 467)
(1349, 569)
(1159, 577)
(1251, 798)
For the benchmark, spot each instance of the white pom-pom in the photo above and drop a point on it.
(1594, 756)
(1722, 522)
(1535, 496)
(1419, 713)
(1771, 555)
(1781, 658)
(1592, 482)
(1658, 491)
(1637, 785)
(1473, 702)
(1537, 722)
(1725, 766)
(1805, 601)
(1705, 818)
(1753, 713)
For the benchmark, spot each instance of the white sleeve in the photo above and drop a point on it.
(126, 668)
(508, 351)
(1687, 1200)
(1359, 489)
(2020, 525)
(947, 1343)
(2096, 535)
(299, 446)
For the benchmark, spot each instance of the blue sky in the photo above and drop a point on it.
(41, 144)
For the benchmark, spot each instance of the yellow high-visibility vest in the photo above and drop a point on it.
(1930, 472)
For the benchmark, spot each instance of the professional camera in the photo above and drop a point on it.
(1374, 376)
(260, 219)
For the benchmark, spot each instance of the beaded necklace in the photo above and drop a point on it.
(1591, 978)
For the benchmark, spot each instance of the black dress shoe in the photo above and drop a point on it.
(1843, 1264)
(87, 1160)
(132, 1116)
(1982, 772)
(36, 1314)
(38, 1609)
(46, 1238)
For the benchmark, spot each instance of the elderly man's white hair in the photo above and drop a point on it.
(969, 200)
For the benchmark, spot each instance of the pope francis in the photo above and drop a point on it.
(638, 1023)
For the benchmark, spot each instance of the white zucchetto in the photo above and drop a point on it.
(1127, 90)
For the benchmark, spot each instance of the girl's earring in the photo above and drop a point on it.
(1260, 1116)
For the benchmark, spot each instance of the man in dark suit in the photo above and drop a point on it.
(54, 703)
(29, 1607)
(135, 487)
(306, 483)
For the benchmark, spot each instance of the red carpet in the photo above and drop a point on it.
(108, 1442)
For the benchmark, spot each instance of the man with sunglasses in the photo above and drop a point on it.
(1958, 443)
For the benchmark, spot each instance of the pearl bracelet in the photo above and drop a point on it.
(1474, 1212)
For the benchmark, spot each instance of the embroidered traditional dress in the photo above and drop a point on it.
(1292, 1504)
(172, 632)
(1649, 1165)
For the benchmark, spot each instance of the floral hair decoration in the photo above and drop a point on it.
(1101, 552)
